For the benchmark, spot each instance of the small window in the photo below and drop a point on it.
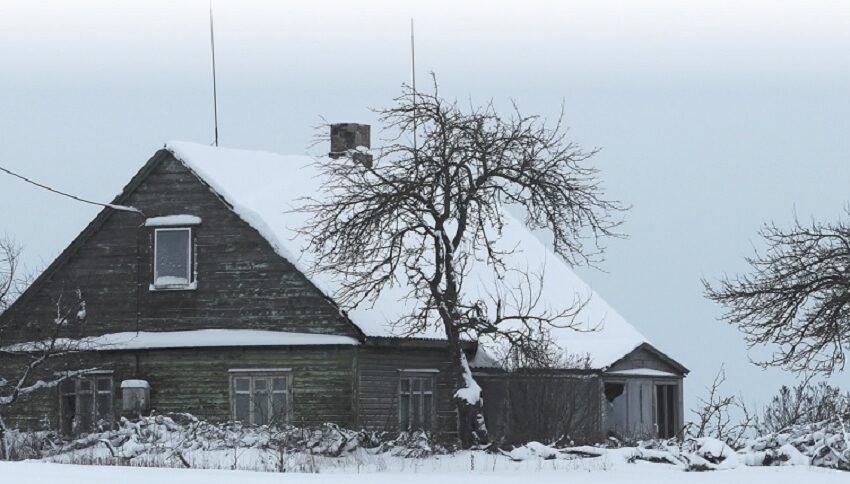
(173, 259)
(416, 402)
(261, 398)
(85, 405)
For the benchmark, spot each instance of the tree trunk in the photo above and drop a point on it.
(471, 427)
(3, 451)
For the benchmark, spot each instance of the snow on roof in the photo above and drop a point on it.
(135, 384)
(143, 340)
(642, 372)
(265, 189)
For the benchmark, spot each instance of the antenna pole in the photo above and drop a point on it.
(413, 82)
(215, 91)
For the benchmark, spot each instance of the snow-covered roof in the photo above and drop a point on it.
(265, 189)
(641, 372)
(144, 340)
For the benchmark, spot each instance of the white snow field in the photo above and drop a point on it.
(427, 471)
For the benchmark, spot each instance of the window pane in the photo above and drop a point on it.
(242, 384)
(260, 384)
(405, 385)
(242, 404)
(414, 384)
(172, 257)
(416, 422)
(104, 407)
(404, 402)
(279, 384)
(85, 412)
(426, 384)
(261, 409)
(68, 386)
(85, 385)
(279, 407)
(68, 405)
(104, 384)
(427, 409)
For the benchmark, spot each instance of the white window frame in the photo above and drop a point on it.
(418, 374)
(261, 374)
(190, 263)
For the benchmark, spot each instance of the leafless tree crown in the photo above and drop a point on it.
(796, 296)
(425, 214)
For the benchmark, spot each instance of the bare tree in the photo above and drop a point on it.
(28, 367)
(422, 215)
(796, 296)
(723, 417)
(804, 403)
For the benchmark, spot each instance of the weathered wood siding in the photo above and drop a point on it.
(241, 281)
(521, 407)
(643, 358)
(197, 381)
(378, 386)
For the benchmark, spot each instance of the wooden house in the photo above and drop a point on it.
(205, 304)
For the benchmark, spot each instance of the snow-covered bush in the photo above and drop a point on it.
(804, 404)
(183, 440)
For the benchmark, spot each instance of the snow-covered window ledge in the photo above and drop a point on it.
(174, 287)
(173, 221)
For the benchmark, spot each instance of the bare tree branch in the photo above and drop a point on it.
(796, 296)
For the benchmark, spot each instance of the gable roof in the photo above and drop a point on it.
(658, 354)
(87, 232)
(265, 189)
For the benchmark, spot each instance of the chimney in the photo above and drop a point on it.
(346, 138)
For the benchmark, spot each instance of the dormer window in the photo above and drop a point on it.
(172, 266)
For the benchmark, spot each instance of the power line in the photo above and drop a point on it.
(122, 208)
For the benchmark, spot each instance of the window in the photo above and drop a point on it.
(416, 402)
(665, 408)
(85, 405)
(261, 398)
(172, 267)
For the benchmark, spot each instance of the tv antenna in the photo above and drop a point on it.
(215, 92)
(413, 81)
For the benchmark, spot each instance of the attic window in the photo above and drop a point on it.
(172, 268)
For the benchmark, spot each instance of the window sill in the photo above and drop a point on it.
(174, 287)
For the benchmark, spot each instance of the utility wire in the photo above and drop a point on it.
(122, 208)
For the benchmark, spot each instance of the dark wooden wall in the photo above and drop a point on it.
(197, 381)
(542, 407)
(378, 386)
(242, 282)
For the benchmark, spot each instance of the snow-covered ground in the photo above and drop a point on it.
(429, 471)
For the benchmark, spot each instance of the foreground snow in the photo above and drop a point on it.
(430, 471)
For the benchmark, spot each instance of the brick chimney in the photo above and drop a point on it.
(347, 137)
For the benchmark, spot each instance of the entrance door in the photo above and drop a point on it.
(666, 402)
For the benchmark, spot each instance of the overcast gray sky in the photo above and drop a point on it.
(713, 116)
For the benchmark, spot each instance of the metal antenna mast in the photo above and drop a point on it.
(215, 91)
(413, 82)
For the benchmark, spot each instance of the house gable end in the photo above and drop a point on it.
(242, 283)
(648, 357)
